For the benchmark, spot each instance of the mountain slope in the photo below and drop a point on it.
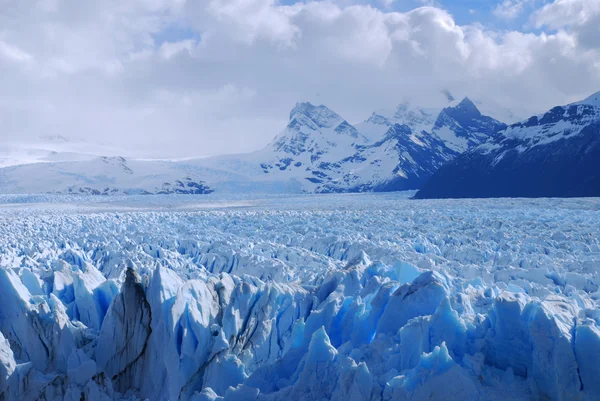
(103, 176)
(54, 148)
(556, 154)
(401, 160)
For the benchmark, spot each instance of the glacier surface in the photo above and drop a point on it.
(328, 297)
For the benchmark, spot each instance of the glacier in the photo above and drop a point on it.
(298, 297)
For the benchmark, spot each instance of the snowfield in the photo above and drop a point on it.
(328, 297)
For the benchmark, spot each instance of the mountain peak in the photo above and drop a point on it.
(320, 115)
(468, 106)
(302, 108)
(593, 100)
(315, 130)
(417, 118)
(463, 126)
(378, 119)
(465, 110)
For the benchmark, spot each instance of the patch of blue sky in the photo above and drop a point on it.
(175, 33)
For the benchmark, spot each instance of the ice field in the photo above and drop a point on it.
(328, 297)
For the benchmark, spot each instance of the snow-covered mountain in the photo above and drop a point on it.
(52, 148)
(318, 152)
(463, 126)
(103, 176)
(416, 118)
(555, 154)
(321, 152)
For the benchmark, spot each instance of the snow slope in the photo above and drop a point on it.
(554, 154)
(102, 175)
(55, 148)
(328, 297)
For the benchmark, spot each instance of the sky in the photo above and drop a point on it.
(185, 78)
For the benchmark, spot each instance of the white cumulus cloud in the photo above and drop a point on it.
(184, 78)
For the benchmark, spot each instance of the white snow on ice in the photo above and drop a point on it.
(329, 297)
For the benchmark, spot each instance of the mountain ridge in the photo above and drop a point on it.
(318, 151)
(383, 151)
(554, 154)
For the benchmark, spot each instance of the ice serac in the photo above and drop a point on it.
(7, 363)
(587, 352)
(320, 374)
(124, 335)
(419, 298)
(556, 154)
(421, 335)
(436, 377)
(22, 322)
(45, 357)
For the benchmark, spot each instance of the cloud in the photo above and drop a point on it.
(13, 54)
(581, 17)
(510, 9)
(564, 13)
(252, 20)
(185, 78)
